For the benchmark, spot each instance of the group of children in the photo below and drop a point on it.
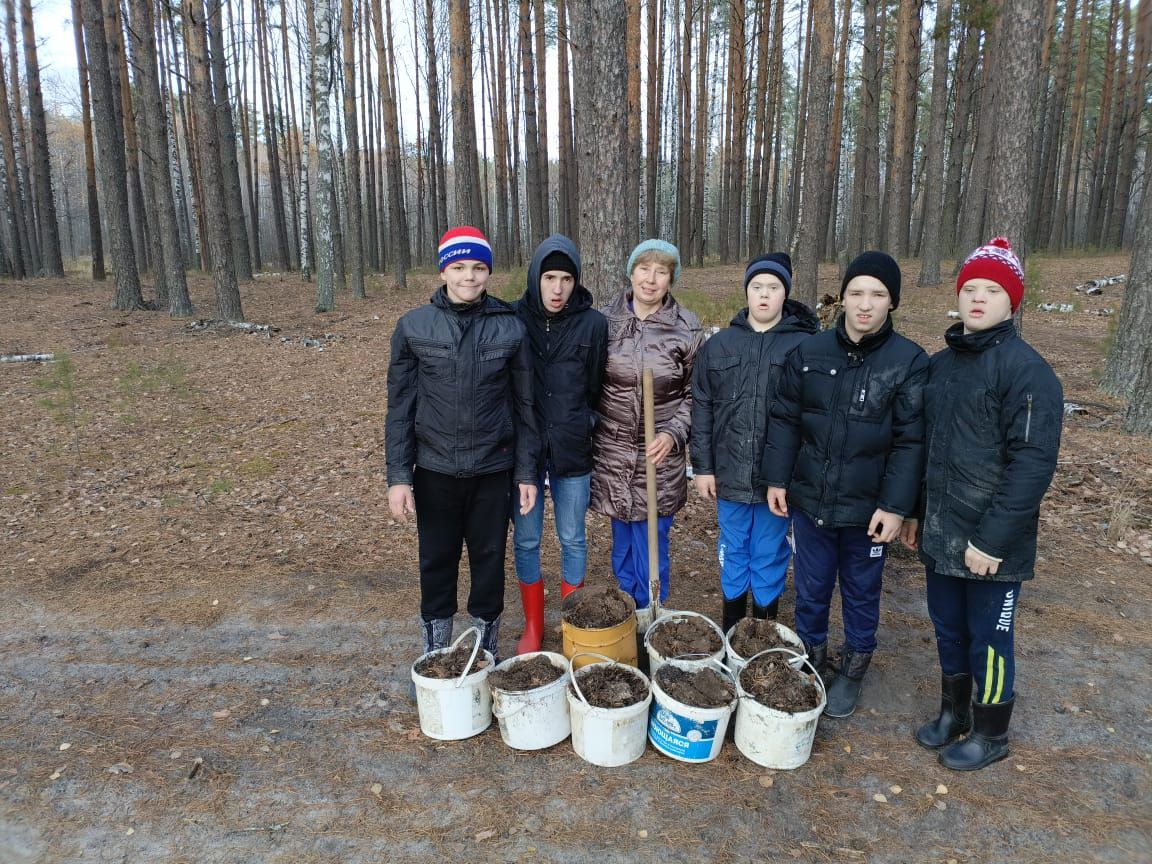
(853, 437)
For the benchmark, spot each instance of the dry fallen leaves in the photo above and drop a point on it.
(642, 834)
(940, 805)
(377, 789)
(766, 782)
(65, 746)
(880, 798)
(486, 834)
(941, 789)
(895, 790)
(120, 768)
(221, 714)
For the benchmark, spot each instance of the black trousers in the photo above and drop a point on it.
(453, 511)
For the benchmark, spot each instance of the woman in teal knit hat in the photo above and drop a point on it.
(647, 328)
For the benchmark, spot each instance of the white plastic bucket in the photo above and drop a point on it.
(607, 737)
(686, 732)
(455, 708)
(735, 662)
(656, 659)
(537, 718)
(775, 739)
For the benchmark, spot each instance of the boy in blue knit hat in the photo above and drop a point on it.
(733, 387)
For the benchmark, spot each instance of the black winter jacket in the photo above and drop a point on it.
(733, 387)
(848, 426)
(569, 350)
(993, 408)
(460, 392)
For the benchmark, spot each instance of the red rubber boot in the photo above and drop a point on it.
(532, 598)
(566, 589)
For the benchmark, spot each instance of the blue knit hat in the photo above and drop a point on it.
(464, 243)
(776, 263)
(661, 246)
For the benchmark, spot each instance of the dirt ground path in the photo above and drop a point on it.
(209, 619)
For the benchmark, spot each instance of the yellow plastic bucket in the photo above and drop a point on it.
(615, 643)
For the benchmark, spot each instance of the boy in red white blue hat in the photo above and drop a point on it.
(460, 433)
(993, 408)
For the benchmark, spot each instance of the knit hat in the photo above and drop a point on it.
(776, 263)
(997, 262)
(879, 265)
(557, 260)
(660, 246)
(464, 243)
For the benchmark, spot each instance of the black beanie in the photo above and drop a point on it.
(879, 265)
(557, 260)
(776, 263)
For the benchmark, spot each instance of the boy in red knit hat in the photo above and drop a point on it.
(460, 432)
(993, 409)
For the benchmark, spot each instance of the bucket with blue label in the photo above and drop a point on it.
(683, 730)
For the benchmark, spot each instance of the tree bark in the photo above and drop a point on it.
(866, 174)
(542, 113)
(899, 184)
(17, 216)
(934, 172)
(469, 207)
(45, 204)
(632, 178)
(567, 209)
(112, 172)
(1054, 130)
(809, 227)
(1128, 372)
(652, 143)
(1129, 139)
(155, 149)
(601, 141)
(228, 306)
(533, 172)
(397, 216)
(1059, 235)
(23, 167)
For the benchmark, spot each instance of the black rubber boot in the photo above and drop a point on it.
(437, 633)
(763, 612)
(955, 713)
(845, 687)
(489, 636)
(988, 742)
(734, 610)
(818, 657)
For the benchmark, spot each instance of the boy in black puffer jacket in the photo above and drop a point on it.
(846, 452)
(460, 431)
(733, 387)
(993, 408)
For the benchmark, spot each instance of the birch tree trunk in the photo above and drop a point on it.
(321, 28)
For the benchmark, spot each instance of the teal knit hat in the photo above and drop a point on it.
(661, 246)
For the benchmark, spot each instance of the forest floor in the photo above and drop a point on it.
(209, 617)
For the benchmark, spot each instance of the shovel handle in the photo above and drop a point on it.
(650, 478)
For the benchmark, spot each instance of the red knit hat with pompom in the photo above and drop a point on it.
(997, 262)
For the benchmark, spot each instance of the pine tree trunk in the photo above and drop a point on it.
(155, 147)
(800, 125)
(975, 204)
(567, 210)
(276, 184)
(866, 174)
(959, 140)
(601, 141)
(229, 160)
(1118, 212)
(541, 57)
(652, 143)
(112, 172)
(469, 206)
(738, 141)
(1015, 94)
(532, 153)
(632, 178)
(435, 138)
(1054, 130)
(45, 203)
(1128, 372)
(228, 306)
(899, 186)
(830, 197)
(33, 261)
(17, 217)
(700, 148)
(353, 238)
(1065, 191)
(934, 170)
(809, 226)
(684, 135)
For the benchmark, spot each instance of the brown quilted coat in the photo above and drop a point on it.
(668, 341)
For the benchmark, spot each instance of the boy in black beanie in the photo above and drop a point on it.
(733, 385)
(847, 453)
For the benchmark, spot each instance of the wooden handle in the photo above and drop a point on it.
(650, 476)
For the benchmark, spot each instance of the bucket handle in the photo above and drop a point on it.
(804, 661)
(572, 671)
(475, 651)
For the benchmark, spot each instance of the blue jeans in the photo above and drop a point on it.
(570, 505)
(753, 551)
(975, 622)
(630, 558)
(822, 555)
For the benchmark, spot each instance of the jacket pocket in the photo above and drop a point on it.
(437, 359)
(497, 351)
(723, 377)
(871, 397)
(819, 380)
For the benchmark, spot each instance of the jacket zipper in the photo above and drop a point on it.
(1028, 421)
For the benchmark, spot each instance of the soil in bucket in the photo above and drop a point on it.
(772, 682)
(451, 664)
(700, 688)
(684, 636)
(605, 685)
(525, 674)
(753, 635)
(595, 609)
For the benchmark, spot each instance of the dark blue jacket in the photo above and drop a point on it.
(847, 426)
(994, 408)
(733, 386)
(569, 350)
(460, 392)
